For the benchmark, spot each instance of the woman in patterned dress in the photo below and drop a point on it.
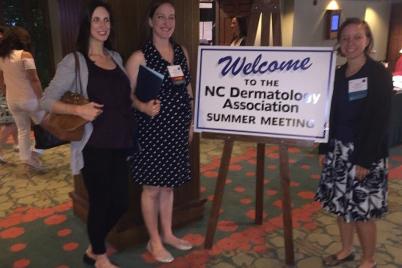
(353, 182)
(165, 130)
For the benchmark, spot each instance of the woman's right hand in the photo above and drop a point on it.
(151, 108)
(89, 111)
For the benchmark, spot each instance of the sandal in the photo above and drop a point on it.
(163, 259)
(332, 260)
(182, 245)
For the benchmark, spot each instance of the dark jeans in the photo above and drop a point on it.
(105, 176)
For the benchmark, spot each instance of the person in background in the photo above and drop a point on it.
(101, 153)
(398, 65)
(165, 129)
(18, 73)
(7, 125)
(353, 183)
(239, 28)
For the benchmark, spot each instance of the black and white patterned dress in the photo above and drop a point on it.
(357, 137)
(163, 159)
(340, 193)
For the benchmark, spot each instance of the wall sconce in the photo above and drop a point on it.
(332, 20)
(333, 5)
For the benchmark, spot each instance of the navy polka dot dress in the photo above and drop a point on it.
(163, 159)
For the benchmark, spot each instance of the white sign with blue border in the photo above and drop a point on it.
(265, 91)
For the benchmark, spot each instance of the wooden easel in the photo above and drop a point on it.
(269, 9)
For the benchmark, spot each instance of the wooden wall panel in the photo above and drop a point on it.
(395, 35)
(129, 24)
(70, 11)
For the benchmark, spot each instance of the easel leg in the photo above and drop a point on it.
(259, 187)
(218, 196)
(286, 203)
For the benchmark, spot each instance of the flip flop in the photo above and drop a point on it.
(332, 260)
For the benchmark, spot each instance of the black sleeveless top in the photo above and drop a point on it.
(113, 128)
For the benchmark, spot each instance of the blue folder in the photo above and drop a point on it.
(149, 83)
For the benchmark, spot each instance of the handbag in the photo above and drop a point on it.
(44, 139)
(68, 127)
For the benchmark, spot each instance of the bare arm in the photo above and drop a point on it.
(32, 75)
(190, 93)
(150, 108)
(189, 89)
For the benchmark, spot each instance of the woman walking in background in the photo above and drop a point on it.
(7, 125)
(353, 182)
(18, 73)
(165, 129)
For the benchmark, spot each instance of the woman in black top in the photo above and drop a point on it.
(101, 154)
(353, 182)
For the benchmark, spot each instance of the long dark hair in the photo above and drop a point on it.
(242, 22)
(367, 31)
(2, 29)
(153, 6)
(15, 38)
(82, 44)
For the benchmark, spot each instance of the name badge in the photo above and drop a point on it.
(176, 74)
(357, 88)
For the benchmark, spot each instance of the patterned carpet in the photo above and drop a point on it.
(38, 228)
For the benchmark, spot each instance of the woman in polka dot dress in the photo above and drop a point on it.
(165, 129)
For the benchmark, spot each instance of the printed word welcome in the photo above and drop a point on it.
(241, 65)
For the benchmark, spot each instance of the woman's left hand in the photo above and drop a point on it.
(361, 172)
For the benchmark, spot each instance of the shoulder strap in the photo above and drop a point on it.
(77, 73)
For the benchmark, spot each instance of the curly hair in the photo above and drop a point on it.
(15, 38)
